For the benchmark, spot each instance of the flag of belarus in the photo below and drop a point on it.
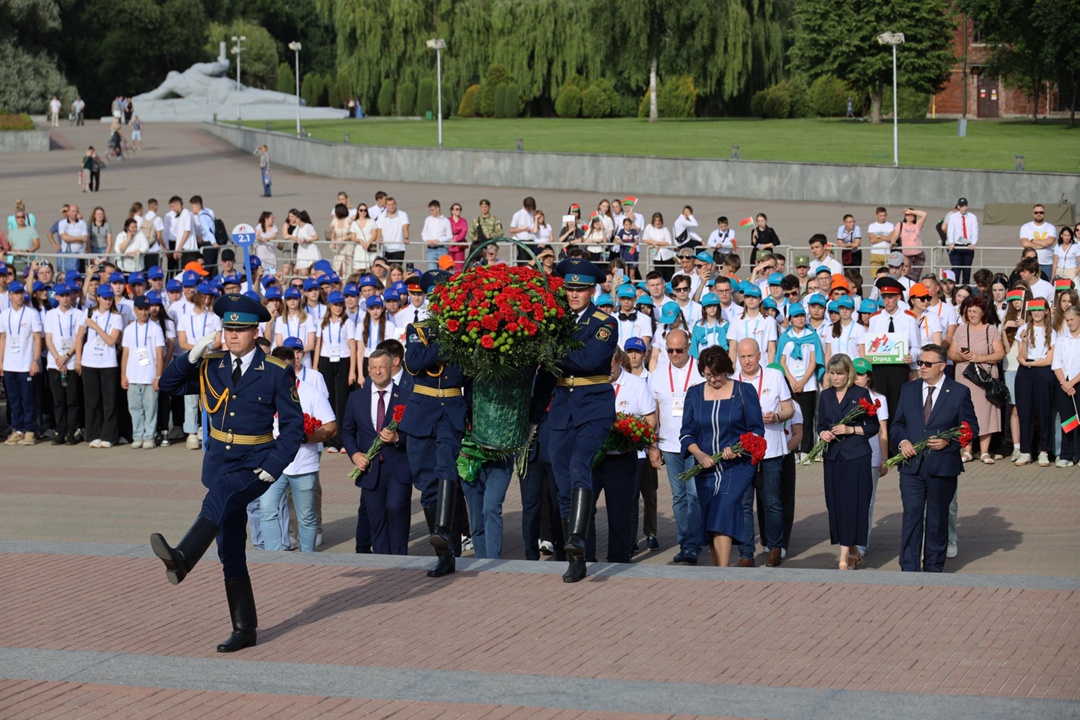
(1071, 424)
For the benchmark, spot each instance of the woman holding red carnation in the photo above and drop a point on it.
(848, 482)
(716, 414)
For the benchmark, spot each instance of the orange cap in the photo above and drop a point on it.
(919, 290)
(839, 281)
(197, 267)
(446, 262)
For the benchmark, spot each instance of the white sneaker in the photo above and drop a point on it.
(1044, 460)
(148, 444)
(950, 551)
(783, 553)
(318, 539)
(546, 548)
(192, 442)
(1015, 454)
(1063, 463)
(1023, 459)
(95, 443)
(105, 444)
(136, 444)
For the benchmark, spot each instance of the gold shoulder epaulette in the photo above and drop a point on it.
(214, 355)
(277, 361)
(601, 315)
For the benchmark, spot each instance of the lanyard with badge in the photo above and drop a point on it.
(334, 349)
(760, 380)
(797, 366)
(191, 320)
(15, 335)
(99, 342)
(142, 352)
(66, 343)
(678, 401)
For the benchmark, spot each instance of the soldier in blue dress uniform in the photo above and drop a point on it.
(582, 409)
(241, 390)
(434, 420)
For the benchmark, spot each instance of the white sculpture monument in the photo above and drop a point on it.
(205, 89)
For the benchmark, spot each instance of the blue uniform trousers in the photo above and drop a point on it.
(226, 505)
(572, 451)
(433, 458)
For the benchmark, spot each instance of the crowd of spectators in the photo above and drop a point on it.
(92, 311)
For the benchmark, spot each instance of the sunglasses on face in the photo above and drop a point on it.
(676, 351)
(791, 293)
(927, 363)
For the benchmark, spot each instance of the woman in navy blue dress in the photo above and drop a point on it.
(848, 480)
(716, 413)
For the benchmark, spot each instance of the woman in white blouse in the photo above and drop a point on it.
(101, 370)
(659, 239)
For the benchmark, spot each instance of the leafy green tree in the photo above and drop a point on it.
(385, 105)
(406, 98)
(32, 74)
(468, 102)
(1059, 48)
(259, 59)
(425, 97)
(568, 104)
(495, 76)
(286, 80)
(844, 43)
(309, 89)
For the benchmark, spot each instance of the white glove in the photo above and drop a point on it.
(200, 347)
(264, 476)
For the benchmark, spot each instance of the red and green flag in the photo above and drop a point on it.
(1071, 424)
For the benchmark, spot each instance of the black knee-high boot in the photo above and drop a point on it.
(441, 535)
(244, 620)
(576, 530)
(181, 559)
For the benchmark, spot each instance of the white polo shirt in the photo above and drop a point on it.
(18, 328)
(633, 397)
(62, 328)
(317, 405)
(335, 339)
(96, 352)
(393, 232)
(762, 328)
(772, 389)
(669, 386)
(1066, 354)
(142, 342)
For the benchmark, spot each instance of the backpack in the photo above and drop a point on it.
(221, 235)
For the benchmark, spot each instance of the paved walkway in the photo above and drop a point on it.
(89, 627)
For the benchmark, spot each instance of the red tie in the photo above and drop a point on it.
(963, 225)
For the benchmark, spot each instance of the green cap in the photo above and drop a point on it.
(862, 366)
(802, 261)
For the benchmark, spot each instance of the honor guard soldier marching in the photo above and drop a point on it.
(582, 409)
(241, 390)
(434, 420)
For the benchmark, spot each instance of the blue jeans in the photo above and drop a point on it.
(433, 254)
(20, 393)
(191, 414)
(303, 493)
(689, 524)
(143, 406)
(485, 500)
(772, 469)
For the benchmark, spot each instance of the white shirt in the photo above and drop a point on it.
(962, 230)
(1066, 354)
(314, 378)
(633, 397)
(63, 327)
(830, 262)
(929, 324)
(640, 327)
(723, 239)
(437, 229)
(669, 386)
(800, 368)
(880, 247)
(393, 231)
(1066, 257)
(142, 342)
(1035, 341)
(96, 352)
(388, 409)
(317, 405)
(195, 326)
(1041, 231)
(686, 224)
(335, 339)
(159, 228)
(762, 328)
(926, 392)
(184, 221)
(903, 324)
(75, 229)
(1043, 289)
(409, 314)
(524, 219)
(772, 390)
(18, 328)
(848, 342)
(374, 337)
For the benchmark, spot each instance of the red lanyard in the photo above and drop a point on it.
(671, 380)
(618, 386)
(760, 379)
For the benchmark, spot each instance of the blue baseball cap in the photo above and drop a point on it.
(255, 262)
(15, 287)
(400, 287)
(190, 278)
(334, 279)
(103, 291)
(117, 277)
(154, 297)
(311, 284)
(391, 295)
(776, 278)
(769, 304)
(230, 280)
(626, 291)
(204, 288)
(334, 298)
(641, 286)
(634, 344)
(644, 300)
(796, 309)
(831, 307)
(823, 269)
(374, 301)
(817, 299)
(669, 312)
(710, 299)
(58, 289)
(71, 276)
(155, 273)
(253, 295)
(604, 299)
(749, 289)
(351, 290)
(705, 256)
(38, 286)
(292, 343)
(293, 292)
(239, 311)
(322, 280)
(845, 301)
(269, 280)
(323, 266)
(173, 286)
(368, 281)
(137, 279)
(868, 307)
(272, 293)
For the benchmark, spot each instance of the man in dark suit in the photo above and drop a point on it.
(385, 481)
(928, 407)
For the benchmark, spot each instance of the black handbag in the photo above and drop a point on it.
(978, 375)
(997, 392)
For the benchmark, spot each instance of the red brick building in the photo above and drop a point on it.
(987, 96)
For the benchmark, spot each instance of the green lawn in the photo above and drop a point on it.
(1048, 146)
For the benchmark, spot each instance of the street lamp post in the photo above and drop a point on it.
(295, 46)
(237, 49)
(894, 39)
(438, 45)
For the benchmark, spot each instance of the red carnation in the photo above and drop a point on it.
(870, 408)
(486, 341)
(966, 435)
(452, 325)
(399, 411)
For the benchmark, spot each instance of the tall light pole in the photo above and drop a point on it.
(894, 39)
(295, 46)
(237, 49)
(438, 45)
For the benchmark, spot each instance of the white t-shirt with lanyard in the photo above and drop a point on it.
(772, 389)
(799, 368)
(632, 397)
(314, 378)
(669, 386)
(288, 327)
(97, 353)
(197, 325)
(142, 342)
(374, 337)
(928, 325)
(848, 342)
(63, 327)
(18, 327)
(762, 328)
(335, 339)
(639, 327)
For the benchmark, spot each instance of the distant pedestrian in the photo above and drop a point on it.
(263, 153)
(54, 111)
(136, 133)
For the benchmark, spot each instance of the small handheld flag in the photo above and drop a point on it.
(1070, 424)
(746, 222)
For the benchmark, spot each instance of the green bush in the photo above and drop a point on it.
(599, 100)
(568, 102)
(499, 105)
(406, 99)
(425, 97)
(309, 89)
(286, 81)
(467, 106)
(757, 103)
(910, 105)
(322, 98)
(675, 98)
(800, 97)
(495, 76)
(385, 101)
(511, 100)
(828, 97)
(16, 121)
(628, 106)
(777, 103)
(333, 99)
(344, 88)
